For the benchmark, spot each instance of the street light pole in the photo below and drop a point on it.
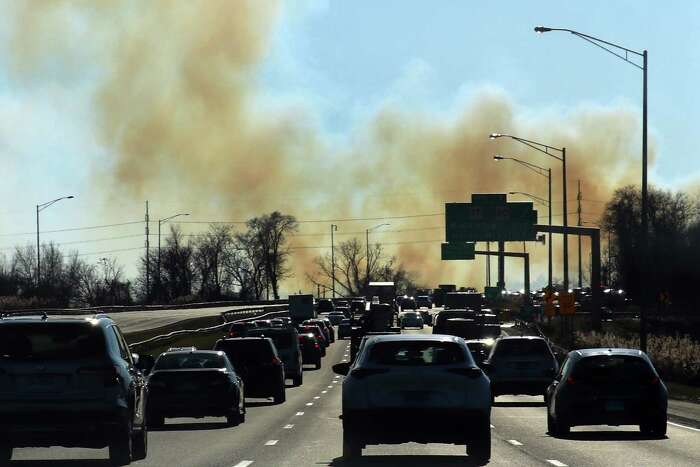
(333, 229)
(566, 222)
(39, 208)
(623, 53)
(367, 231)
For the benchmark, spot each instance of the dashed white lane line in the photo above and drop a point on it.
(515, 442)
(330, 387)
(557, 463)
(299, 414)
(272, 442)
(492, 426)
(288, 426)
(324, 392)
(243, 464)
(309, 404)
(317, 397)
(683, 426)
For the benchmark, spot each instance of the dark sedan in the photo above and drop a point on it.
(179, 380)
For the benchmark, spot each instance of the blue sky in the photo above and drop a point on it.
(344, 59)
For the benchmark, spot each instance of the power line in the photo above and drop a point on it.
(310, 221)
(73, 229)
(112, 251)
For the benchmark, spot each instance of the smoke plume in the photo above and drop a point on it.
(178, 109)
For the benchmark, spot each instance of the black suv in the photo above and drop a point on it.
(70, 382)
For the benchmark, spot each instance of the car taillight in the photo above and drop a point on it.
(109, 375)
(276, 361)
(316, 345)
(364, 372)
(569, 380)
(654, 381)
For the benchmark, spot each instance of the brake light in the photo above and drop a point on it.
(276, 361)
(654, 381)
(570, 380)
(109, 375)
(316, 345)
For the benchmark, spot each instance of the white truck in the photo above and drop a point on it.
(301, 307)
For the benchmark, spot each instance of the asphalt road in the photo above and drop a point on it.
(306, 431)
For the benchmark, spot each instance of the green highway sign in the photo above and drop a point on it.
(456, 251)
(492, 293)
(490, 218)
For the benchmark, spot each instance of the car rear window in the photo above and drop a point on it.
(51, 341)
(247, 351)
(182, 361)
(613, 369)
(282, 340)
(522, 347)
(416, 353)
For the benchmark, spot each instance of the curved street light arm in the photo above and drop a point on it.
(537, 199)
(41, 207)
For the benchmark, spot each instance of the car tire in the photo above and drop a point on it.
(235, 418)
(155, 420)
(656, 428)
(298, 380)
(352, 448)
(280, 397)
(480, 448)
(557, 427)
(318, 363)
(120, 446)
(139, 445)
(5, 454)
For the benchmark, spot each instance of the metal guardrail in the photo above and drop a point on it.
(185, 332)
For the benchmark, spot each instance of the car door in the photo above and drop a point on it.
(551, 392)
(137, 383)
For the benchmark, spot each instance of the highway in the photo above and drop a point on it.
(306, 431)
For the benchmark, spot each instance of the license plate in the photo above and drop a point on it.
(44, 382)
(614, 406)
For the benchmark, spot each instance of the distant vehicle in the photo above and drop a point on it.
(183, 349)
(410, 319)
(311, 349)
(71, 382)
(375, 300)
(426, 315)
(423, 301)
(440, 320)
(301, 307)
(316, 330)
(194, 383)
(408, 303)
(466, 328)
(286, 342)
(324, 305)
(262, 323)
(607, 387)
(357, 307)
(415, 387)
(324, 327)
(256, 361)
(238, 329)
(385, 291)
(329, 326)
(277, 323)
(379, 318)
(463, 300)
(336, 317)
(345, 329)
(520, 365)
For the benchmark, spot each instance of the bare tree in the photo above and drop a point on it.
(270, 232)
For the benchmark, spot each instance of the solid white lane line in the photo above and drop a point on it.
(289, 426)
(243, 464)
(515, 442)
(557, 463)
(272, 442)
(299, 414)
(683, 426)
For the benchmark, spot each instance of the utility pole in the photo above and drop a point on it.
(488, 264)
(501, 266)
(580, 267)
(148, 261)
(333, 229)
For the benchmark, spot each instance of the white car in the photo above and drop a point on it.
(421, 388)
(410, 319)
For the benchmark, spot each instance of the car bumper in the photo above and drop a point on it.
(531, 386)
(395, 426)
(627, 413)
(192, 406)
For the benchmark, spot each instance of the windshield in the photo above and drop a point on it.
(282, 340)
(614, 369)
(521, 348)
(51, 341)
(193, 360)
(408, 353)
(246, 351)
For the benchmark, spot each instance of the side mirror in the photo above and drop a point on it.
(135, 357)
(145, 363)
(342, 368)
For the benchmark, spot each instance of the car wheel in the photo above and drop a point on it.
(139, 445)
(281, 396)
(234, 418)
(351, 446)
(299, 379)
(155, 420)
(318, 363)
(5, 454)
(557, 427)
(480, 448)
(120, 446)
